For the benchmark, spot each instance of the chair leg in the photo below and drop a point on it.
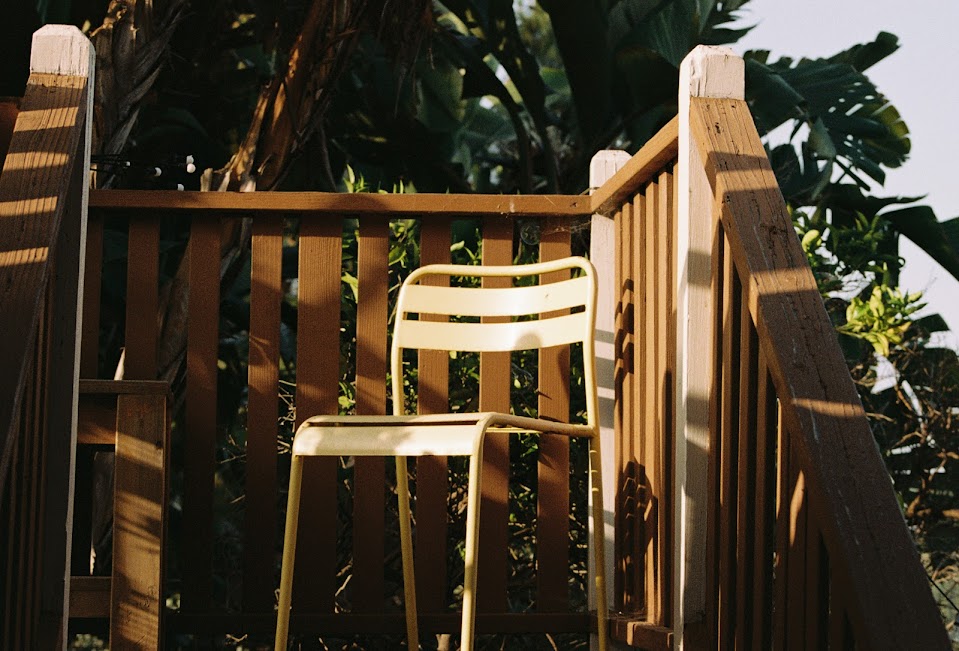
(472, 544)
(289, 553)
(406, 547)
(599, 540)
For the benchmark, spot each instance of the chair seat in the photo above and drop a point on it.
(435, 434)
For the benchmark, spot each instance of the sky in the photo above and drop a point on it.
(919, 79)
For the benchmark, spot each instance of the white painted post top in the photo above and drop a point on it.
(61, 50)
(604, 165)
(712, 71)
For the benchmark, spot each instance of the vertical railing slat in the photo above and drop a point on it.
(432, 481)
(718, 288)
(263, 387)
(745, 516)
(11, 603)
(621, 252)
(142, 454)
(665, 342)
(19, 501)
(634, 392)
(36, 505)
(92, 274)
(817, 587)
(494, 396)
(140, 338)
(647, 332)
(728, 452)
(781, 567)
(670, 203)
(764, 508)
(552, 522)
(369, 478)
(317, 392)
(628, 548)
(201, 397)
(796, 576)
(29, 470)
(89, 369)
(840, 633)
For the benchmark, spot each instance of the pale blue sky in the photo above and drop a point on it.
(919, 79)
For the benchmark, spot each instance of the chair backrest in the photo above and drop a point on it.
(529, 316)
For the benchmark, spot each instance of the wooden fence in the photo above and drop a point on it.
(42, 221)
(318, 223)
(641, 199)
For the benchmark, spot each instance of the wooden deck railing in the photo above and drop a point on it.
(42, 221)
(750, 505)
(318, 221)
(805, 545)
(640, 286)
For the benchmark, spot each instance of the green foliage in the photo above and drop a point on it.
(883, 319)
(850, 123)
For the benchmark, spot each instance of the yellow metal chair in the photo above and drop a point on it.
(565, 314)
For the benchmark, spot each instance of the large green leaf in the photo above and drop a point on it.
(920, 225)
(865, 55)
(851, 124)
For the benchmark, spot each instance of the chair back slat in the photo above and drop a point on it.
(490, 337)
(512, 301)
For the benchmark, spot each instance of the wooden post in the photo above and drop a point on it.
(705, 72)
(602, 254)
(64, 50)
(142, 470)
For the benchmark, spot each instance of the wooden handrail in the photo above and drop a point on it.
(43, 193)
(339, 203)
(887, 596)
(660, 151)
(46, 147)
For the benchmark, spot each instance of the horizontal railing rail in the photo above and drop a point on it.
(285, 204)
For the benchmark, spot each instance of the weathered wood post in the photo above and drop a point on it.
(65, 51)
(43, 207)
(602, 254)
(705, 72)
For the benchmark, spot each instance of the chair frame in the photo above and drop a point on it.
(402, 435)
